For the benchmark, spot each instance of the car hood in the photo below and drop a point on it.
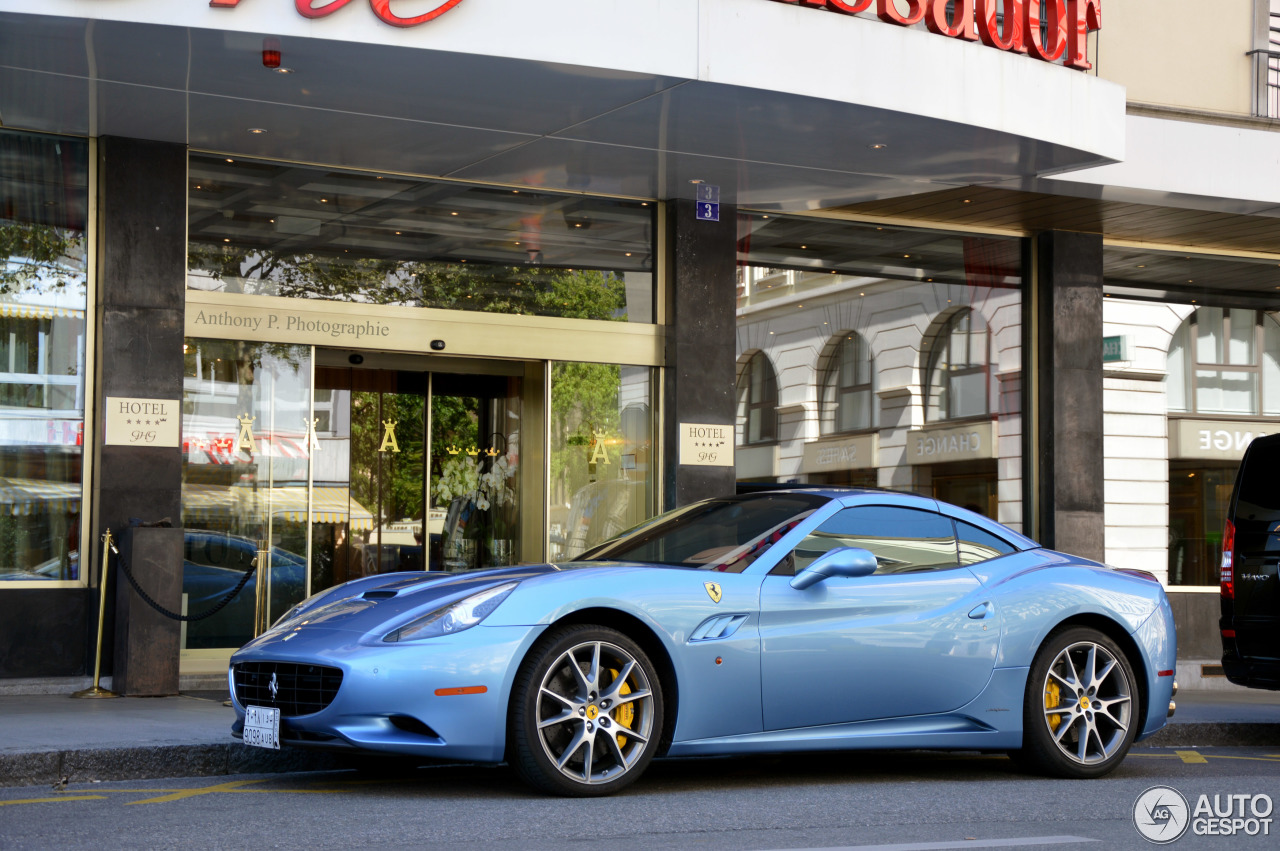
(376, 605)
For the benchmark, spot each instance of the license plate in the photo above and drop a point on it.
(262, 727)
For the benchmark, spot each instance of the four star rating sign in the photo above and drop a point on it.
(143, 422)
(706, 445)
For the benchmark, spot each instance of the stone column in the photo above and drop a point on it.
(141, 282)
(701, 328)
(1068, 392)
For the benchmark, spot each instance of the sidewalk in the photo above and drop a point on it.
(48, 736)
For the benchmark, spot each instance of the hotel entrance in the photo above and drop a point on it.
(432, 457)
(308, 467)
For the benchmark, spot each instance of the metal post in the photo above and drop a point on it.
(108, 547)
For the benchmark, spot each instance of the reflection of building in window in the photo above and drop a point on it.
(958, 367)
(1225, 361)
(757, 402)
(847, 389)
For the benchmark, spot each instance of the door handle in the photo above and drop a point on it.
(980, 612)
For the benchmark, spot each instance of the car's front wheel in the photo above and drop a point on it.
(1081, 708)
(586, 712)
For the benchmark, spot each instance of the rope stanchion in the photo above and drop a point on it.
(210, 612)
(96, 690)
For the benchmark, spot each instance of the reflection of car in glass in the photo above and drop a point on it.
(1250, 592)
(213, 563)
(735, 625)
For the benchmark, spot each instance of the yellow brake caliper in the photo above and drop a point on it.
(625, 713)
(1052, 697)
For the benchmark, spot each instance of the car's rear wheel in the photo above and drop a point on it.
(1080, 714)
(586, 712)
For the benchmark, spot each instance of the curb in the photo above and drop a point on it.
(154, 763)
(1217, 735)
(214, 760)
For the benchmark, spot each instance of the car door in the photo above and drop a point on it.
(918, 636)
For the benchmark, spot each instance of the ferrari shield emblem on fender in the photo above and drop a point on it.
(713, 591)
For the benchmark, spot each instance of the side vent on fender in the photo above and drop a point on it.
(715, 628)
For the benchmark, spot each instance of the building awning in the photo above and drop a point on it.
(38, 311)
(219, 503)
(24, 497)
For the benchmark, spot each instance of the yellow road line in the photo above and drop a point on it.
(54, 800)
(1191, 758)
(288, 791)
(191, 793)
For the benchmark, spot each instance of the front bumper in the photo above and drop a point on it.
(444, 698)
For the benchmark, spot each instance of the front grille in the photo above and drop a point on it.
(299, 689)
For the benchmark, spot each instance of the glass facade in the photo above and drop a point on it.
(603, 456)
(265, 228)
(374, 462)
(44, 198)
(895, 355)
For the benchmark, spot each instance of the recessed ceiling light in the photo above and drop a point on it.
(453, 214)
(257, 131)
(230, 160)
(878, 146)
(284, 70)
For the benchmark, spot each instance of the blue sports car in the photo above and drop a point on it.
(797, 620)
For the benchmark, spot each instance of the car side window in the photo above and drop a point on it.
(903, 540)
(979, 545)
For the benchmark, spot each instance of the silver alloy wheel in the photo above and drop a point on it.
(1088, 703)
(595, 712)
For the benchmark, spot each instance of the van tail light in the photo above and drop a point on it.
(1229, 561)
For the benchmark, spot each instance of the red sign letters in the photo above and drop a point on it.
(381, 8)
(1066, 24)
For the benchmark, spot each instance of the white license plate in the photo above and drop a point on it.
(262, 727)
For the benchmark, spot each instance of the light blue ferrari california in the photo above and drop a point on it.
(796, 620)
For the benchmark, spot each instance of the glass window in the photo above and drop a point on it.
(847, 391)
(899, 352)
(287, 230)
(903, 540)
(245, 485)
(1236, 366)
(757, 402)
(725, 535)
(43, 293)
(957, 380)
(603, 463)
(977, 545)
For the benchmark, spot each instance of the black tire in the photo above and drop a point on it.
(566, 713)
(1088, 677)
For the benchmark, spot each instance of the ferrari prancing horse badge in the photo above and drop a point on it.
(713, 591)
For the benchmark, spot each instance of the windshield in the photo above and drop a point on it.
(725, 534)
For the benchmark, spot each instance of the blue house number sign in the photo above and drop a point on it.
(708, 202)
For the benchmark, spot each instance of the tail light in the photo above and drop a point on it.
(1228, 561)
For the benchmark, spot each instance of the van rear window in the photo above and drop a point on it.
(1257, 514)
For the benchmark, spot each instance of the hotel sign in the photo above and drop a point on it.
(143, 422)
(1066, 23)
(381, 8)
(706, 445)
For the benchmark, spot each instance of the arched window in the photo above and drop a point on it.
(758, 402)
(958, 372)
(1225, 361)
(847, 391)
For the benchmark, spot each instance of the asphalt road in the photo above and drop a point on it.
(911, 801)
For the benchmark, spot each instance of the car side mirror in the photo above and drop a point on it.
(850, 562)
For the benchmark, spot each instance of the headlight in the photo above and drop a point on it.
(455, 617)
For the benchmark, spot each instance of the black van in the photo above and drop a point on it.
(1250, 558)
